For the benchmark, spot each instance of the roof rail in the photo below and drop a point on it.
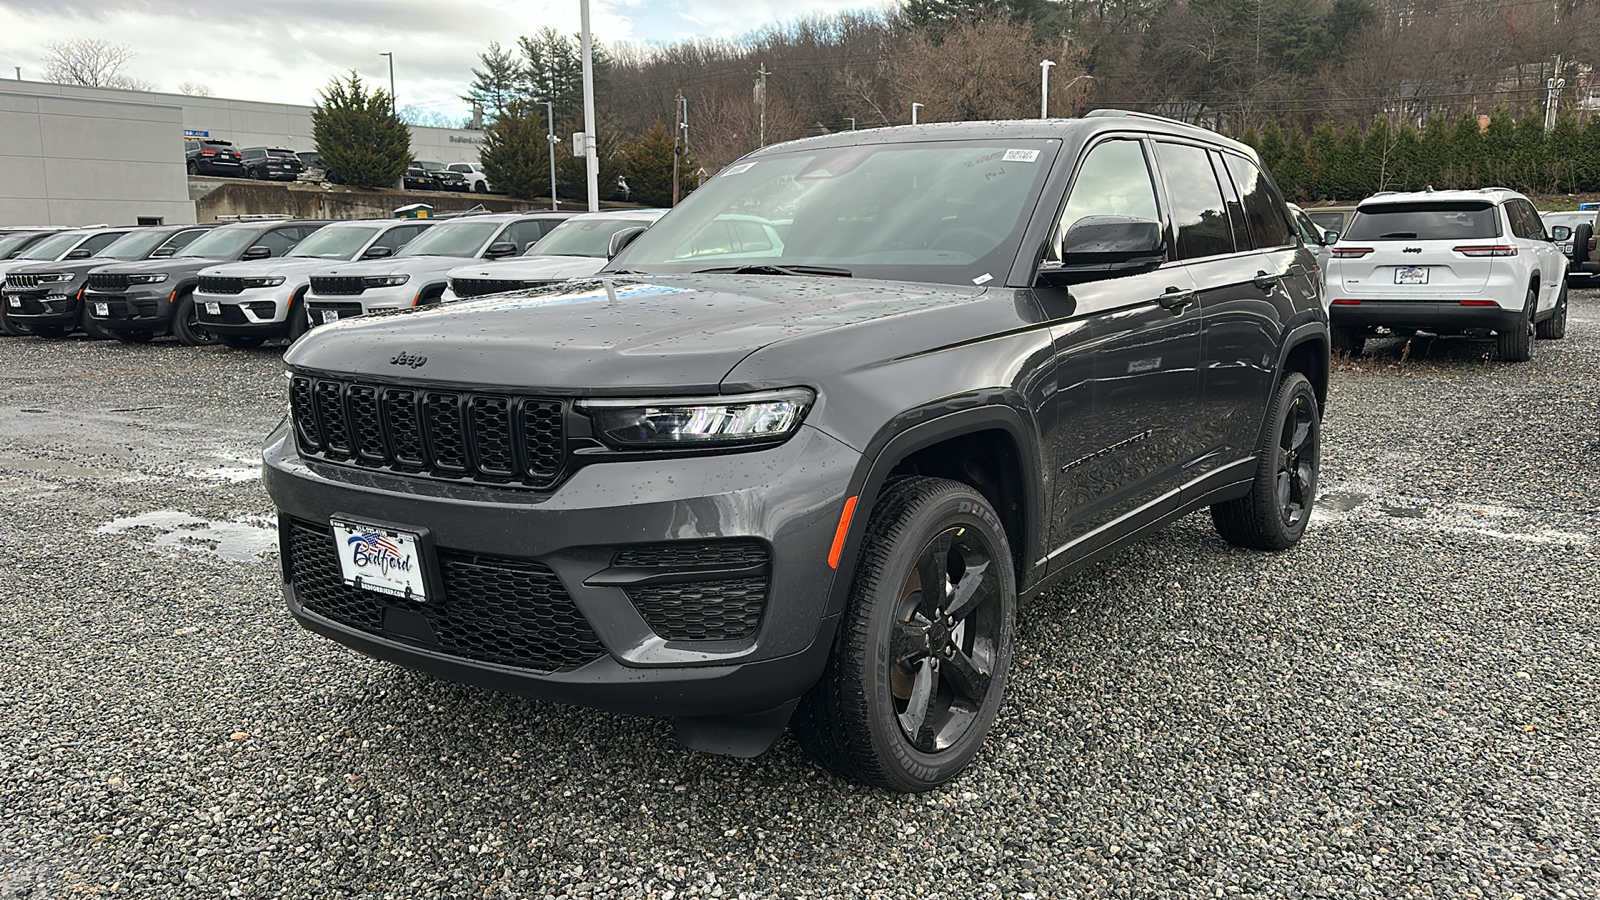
(1485, 190)
(1118, 113)
(252, 217)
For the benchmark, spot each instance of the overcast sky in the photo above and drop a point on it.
(286, 50)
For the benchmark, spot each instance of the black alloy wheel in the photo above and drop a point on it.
(194, 167)
(1274, 515)
(253, 174)
(919, 664)
(1515, 344)
(299, 318)
(186, 325)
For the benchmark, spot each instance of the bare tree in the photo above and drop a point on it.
(90, 62)
(195, 89)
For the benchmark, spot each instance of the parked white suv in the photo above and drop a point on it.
(577, 248)
(477, 182)
(1447, 262)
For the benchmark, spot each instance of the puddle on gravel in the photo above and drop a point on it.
(241, 540)
(234, 474)
(51, 467)
(1374, 507)
(1340, 501)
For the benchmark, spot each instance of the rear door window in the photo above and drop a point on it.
(1198, 214)
(99, 242)
(399, 236)
(1440, 220)
(523, 233)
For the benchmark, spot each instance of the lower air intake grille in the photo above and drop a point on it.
(702, 610)
(503, 611)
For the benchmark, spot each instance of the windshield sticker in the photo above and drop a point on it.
(1022, 156)
(985, 278)
(741, 167)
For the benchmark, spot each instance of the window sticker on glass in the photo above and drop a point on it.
(985, 278)
(741, 167)
(1022, 156)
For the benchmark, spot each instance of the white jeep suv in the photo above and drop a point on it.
(1447, 262)
(477, 182)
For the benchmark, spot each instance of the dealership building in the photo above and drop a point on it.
(74, 155)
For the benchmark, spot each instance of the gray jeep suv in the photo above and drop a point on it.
(806, 485)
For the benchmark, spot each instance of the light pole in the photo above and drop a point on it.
(393, 105)
(589, 155)
(852, 122)
(914, 108)
(1044, 87)
(550, 110)
(1552, 97)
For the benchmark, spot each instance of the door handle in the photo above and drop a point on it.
(1175, 299)
(1265, 282)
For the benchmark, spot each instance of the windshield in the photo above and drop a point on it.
(576, 237)
(431, 166)
(338, 242)
(51, 247)
(1434, 221)
(136, 245)
(940, 211)
(454, 239)
(220, 244)
(11, 242)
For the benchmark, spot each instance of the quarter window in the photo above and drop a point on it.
(1114, 180)
(1198, 215)
(1262, 205)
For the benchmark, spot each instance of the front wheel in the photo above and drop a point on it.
(10, 328)
(91, 327)
(1274, 514)
(919, 664)
(186, 324)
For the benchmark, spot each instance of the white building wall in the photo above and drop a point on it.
(77, 161)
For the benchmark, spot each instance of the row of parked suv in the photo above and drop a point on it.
(246, 283)
(208, 156)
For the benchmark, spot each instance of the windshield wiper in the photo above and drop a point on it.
(763, 269)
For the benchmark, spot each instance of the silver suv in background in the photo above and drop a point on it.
(577, 248)
(248, 303)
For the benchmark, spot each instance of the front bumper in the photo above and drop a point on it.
(45, 308)
(257, 312)
(133, 310)
(787, 498)
(371, 300)
(1447, 315)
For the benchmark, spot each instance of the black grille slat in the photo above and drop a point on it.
(219, 284)
(702, 610)
(366, 432)
(23, 280)
(329, 402)
(403, 427)
(104, 281)
(227, 314)
(480, 287)
(502, 611)
(489, 438)
(31, 306)
(336, 285)
(692, 554)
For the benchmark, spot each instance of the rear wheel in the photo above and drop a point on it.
(919, 664)
(1515, 344)
(186, 324)
(1274, 514)
(194, 167)
(1555, 327)
(1347, 339)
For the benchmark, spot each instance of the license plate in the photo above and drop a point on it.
(1411, 275)
(330, 315)
(374, 558)
(16, 302)
(102, 309)
(214, 309)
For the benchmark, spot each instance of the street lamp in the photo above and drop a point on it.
(914, 108)
(392, 104)
(550, 110)
(851, 118)
(1044, 87)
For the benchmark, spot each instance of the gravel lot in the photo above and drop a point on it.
(1406, 704)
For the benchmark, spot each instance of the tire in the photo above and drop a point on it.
(480, 187)
(1347, 339)
(133, 337)
(1516, 344)
(186, 325)
(91, 327)
(194, 167)
(1274, 514)
(10, 328)
(1580, 244)
(252, 174)
(1555, 327)
(47, 331)
(242, 341)
(299, 318)
(890, 642)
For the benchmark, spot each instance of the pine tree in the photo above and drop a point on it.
(1406, 160)
(1321, 163)
(1433, 155)
(358, 135)
(1293, 173)
(646, 161)
(1528, 154)
(497, 84)
(1462, 166)
(1564, 154)
(1357, 172)
(516, 151)
(1497, 149)
(1589, 165)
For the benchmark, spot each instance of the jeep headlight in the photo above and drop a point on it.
(767, 417)
(151, 278)
(385, 280)
(54, 277)
(267, 281)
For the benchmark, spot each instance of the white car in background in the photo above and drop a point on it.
(477, 182)
(1447, 262)
(577, 248)
(1316, 240)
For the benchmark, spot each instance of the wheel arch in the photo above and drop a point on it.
(1306, 350)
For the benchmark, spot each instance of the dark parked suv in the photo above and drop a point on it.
(271, 164)
(140, 300)
(807, 484)
(209, 157)
(44, 299)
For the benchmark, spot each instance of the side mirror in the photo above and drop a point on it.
(257, 252)
(500, 250)
(163, 252)
(1104, 247)
(80, 253)
(622, 239)
(1560, 233)
(1329, 238)
(377, 252)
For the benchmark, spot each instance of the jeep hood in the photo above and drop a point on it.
(257, 268)
(405, 265)
(179, 265)
(678, 334)
(533, 268)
